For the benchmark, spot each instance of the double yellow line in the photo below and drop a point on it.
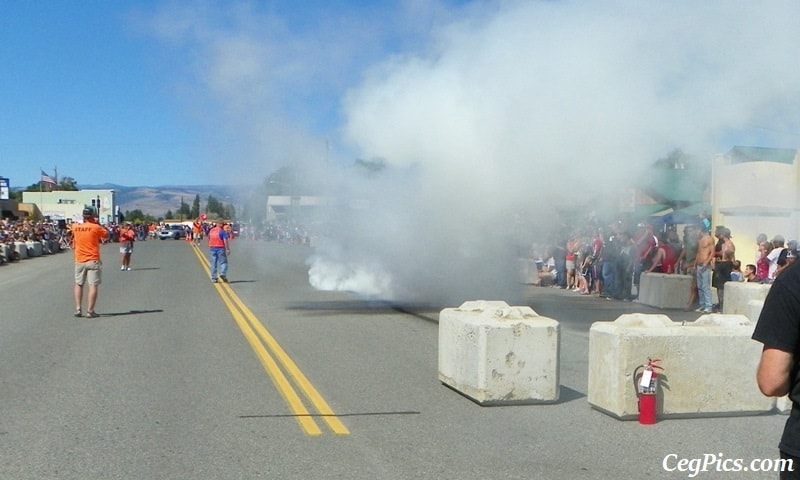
(272, 357)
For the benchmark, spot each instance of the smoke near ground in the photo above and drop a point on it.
(534, 106)
(500, 113)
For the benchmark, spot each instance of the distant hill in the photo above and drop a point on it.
(158, 200)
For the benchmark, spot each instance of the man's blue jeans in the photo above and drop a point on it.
(219, 263)
(703, 275)
(610, 287)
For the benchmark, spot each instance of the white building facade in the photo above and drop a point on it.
(755, 190)
(69, 205)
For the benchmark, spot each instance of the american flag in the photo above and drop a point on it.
(45, 178)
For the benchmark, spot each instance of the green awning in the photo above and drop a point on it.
(762, 154)
(649, 209)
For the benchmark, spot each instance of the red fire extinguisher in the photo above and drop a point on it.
(645, 382)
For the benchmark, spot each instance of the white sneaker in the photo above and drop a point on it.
(129, 269)
(122, 268)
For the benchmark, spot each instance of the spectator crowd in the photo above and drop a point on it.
(609, 262)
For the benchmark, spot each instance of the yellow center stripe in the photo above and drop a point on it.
(249, 324)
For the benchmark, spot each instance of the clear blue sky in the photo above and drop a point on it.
(157, 93)
(203, 92)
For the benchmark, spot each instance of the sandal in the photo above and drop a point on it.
(91, 315)
(78, 313)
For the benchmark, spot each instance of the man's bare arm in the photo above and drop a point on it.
(773, 372)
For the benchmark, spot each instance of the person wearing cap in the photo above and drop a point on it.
(776, 257)
(219, 246)
(126, 237)
(87, 237)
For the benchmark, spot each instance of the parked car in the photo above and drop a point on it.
(175, 232)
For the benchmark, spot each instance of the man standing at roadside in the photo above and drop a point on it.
(704, 260)
(87, 237)
(220, 249)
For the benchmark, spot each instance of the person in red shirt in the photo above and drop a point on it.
(87, 237)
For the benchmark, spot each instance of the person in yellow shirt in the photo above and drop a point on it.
(87, 237)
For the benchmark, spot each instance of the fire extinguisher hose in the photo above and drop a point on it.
(635, 380)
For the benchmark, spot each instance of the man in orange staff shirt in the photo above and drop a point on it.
(87, 237)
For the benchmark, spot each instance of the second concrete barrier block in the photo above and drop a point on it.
(709, 365)
(499, 355)
(738, 296)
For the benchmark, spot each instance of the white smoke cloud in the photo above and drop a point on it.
(489, 115)
(541, 104)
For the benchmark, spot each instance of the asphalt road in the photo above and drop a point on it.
(265, 377)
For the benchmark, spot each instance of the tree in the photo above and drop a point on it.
(217, 209)
(371, 167)
(137, 216)
(195, 212)
(229, 211)
(184, 211)
(67, 184)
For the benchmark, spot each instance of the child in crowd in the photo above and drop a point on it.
(736, 272)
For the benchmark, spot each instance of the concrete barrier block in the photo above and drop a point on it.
(754, 308)
(783, 405)
(49, 247)
(499, 355)
(709, 365)
(649, 293)
(5, 251)
(35, 249)
(664, 290)
(22, 249)
(739, 294)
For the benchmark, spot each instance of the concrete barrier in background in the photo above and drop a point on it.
(747, 298)
(34, 248)
(664, 290)
(22, 249)
(709, 365)
(738, 296)
(499, 355)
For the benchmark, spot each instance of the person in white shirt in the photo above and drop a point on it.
(774, 256)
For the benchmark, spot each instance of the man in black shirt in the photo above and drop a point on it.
(778, 329)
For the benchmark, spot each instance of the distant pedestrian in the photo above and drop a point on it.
(219, 246)
(197, 231)
(126, 237)
(87, 237)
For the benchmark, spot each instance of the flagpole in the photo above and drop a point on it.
(41, 195)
